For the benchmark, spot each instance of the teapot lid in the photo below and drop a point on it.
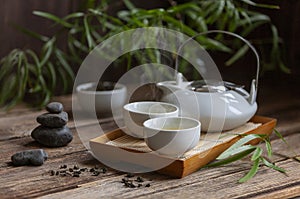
(213, 86)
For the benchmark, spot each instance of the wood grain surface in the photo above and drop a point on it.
(221, 182)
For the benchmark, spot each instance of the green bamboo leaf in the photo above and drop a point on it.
(235, 151)
(230, 7)
(88, 33)
(7, 97)
(284, 68)
(244, 14)
(63, 78)
(7, 64)
(210, 8)
(74, 15)
(248, 29)
(52, 73)
(25, 76)
(185, 29)
(37, 88)
(252, 171)
(275, 40)
(47, 50)
(53, 18)
(252, 19)
(184, 7)
(80, 46)
(214, 45)
(239, 54)
(215, 15)
(268, 147)
(74, 53)
(256, 154)
(33, 56)
(244, 140)
(137, 22)
(231, 159)
(46, 99)
(30, 33)
(124, 15)
(252, 3)
(273, 166)
(278, 134)
(61, 57)
(129, 5)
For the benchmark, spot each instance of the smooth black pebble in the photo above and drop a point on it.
(34, 157)
(54, 107)
(53, 120)
(52, 137)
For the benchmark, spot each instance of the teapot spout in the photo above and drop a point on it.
(253, 92)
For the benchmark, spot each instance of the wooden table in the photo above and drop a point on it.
(29, 181)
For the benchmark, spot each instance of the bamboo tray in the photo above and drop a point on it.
(209, 148)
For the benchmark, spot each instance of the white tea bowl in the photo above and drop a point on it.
(136, 113)
(104, 103)
(172, 136)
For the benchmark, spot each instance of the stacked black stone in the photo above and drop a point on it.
(53, 131)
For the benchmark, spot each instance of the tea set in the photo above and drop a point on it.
(172, 126)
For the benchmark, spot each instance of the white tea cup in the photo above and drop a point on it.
(172, 136)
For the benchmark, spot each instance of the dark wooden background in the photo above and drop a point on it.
(19, 12)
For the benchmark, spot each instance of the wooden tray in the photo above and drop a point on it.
(210, 147)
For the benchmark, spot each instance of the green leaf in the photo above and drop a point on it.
(240, 53)
(252, 171)
(63, 78)
(52, 73)
(53, 18)
(252, 19)
(256, 154)
(273, 166)
(243, 141)
(280, 136)
(249, 2)
(184, 7)
(61, 57)
(129, 5)
(231, 159)
(248, 29)
(268, 147)
(215, 15)
(235, 151)
(187, 30)
(88, 33)
(31, 33)
(74, 15)
(47, 51)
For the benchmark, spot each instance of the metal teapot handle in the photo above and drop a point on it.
(254, 83)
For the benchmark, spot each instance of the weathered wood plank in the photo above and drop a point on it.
(27, 182)
(110, 185)
(289, 192)
(209, 183)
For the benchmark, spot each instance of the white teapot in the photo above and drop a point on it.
(218, 105)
